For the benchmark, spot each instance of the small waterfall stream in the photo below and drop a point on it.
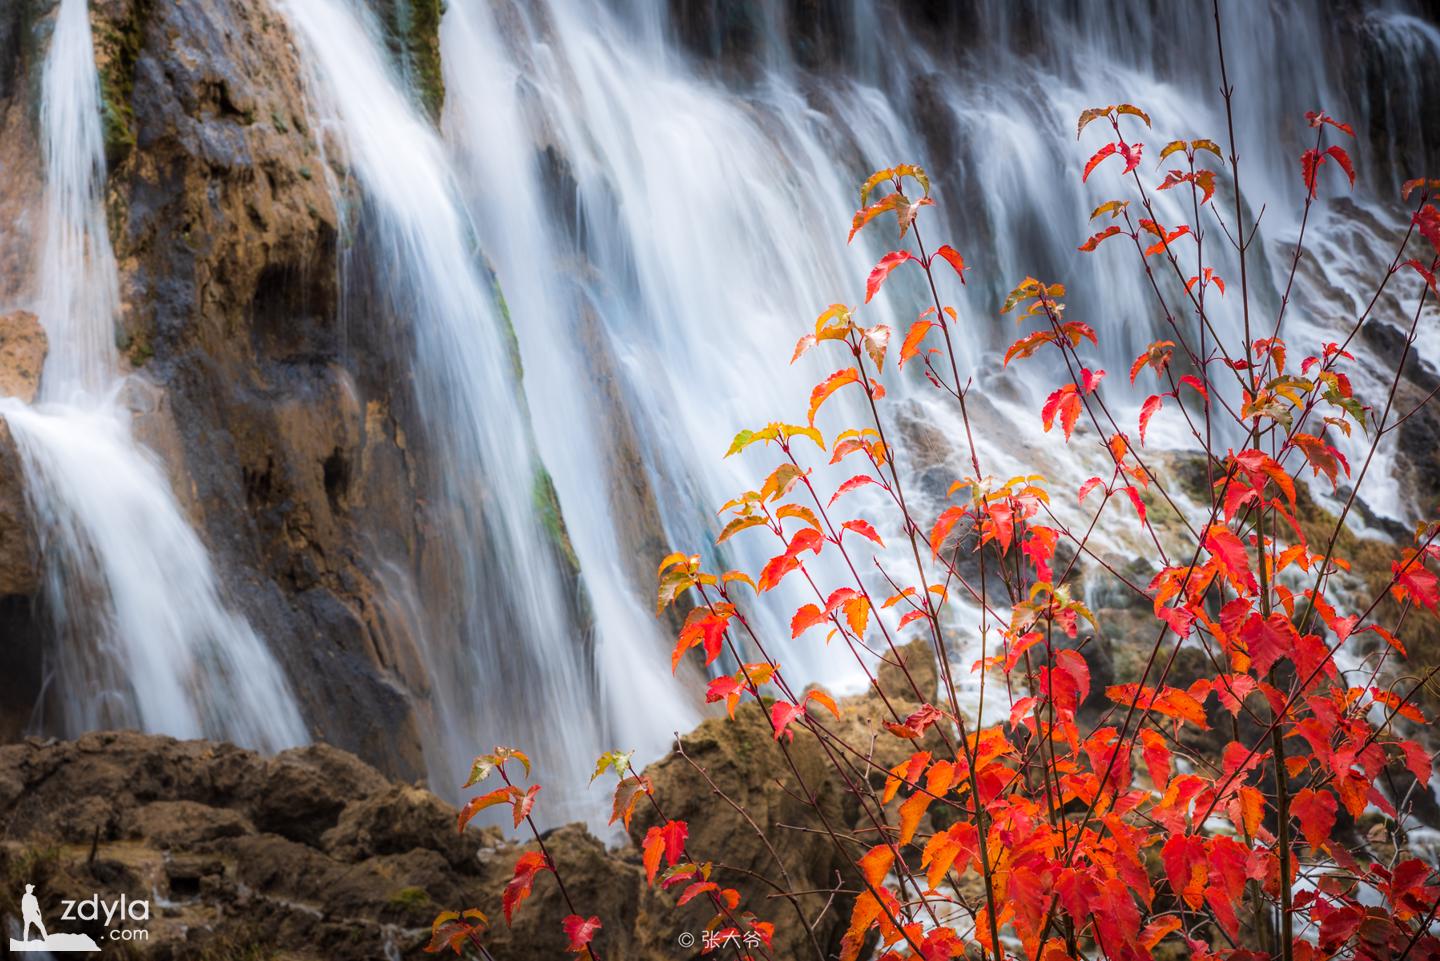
(144, 637)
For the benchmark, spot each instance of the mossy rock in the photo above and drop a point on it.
(547, 505)
(117, 48)
(412, 30)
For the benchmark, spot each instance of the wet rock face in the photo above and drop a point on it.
(277, 426)
(22, 355)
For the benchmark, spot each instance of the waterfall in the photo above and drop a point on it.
(509, 662)
(672, 208)
(143, 637)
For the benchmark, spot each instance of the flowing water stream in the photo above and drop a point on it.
(143, 636)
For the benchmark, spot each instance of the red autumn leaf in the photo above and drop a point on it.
(1222, 543)
(1156, 357)
(782, 713)
(702, 627)
(1418, 760)
(854, 483)
(1427, 218)
(864, 529)
(1101, 154)
(1323, 458)
(1089, 486)
(882, 270)
(1232, 689)
(1316, 119)
(1166, 239)
(1316, 813)
(1186, 867)
(1156, 755)
(579, 932)
(1148, 410)
(1310, 162)
(1131, 153)
(651, 852)
(1343, 159)
(726, 689)
(805, 539)
(957, 843)
(1425, 273)
(867, 214)
(530, 864)
(943, 525)
(1134, 495)
(1414, 582)
(1064, 403)
(524, 802)
(1268, 639)
(917, 723)
(675, 833)
(1096, 239)
(1260, 467)
(806, 618)
(695, 890)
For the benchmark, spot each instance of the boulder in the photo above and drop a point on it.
(747, 766)
(311, 854)
(23, 347)
(18, 573)
(22, 356)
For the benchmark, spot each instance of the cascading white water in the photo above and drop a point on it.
(513, 220)
(143, 636)
(697, 229)
(508, 663)
(698, 223)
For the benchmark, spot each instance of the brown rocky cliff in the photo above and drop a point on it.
(278, 429)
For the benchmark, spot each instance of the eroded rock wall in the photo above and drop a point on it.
(282, 420)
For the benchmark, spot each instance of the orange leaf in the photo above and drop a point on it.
(477, 804)
(876, 864)
(952, 257)
(917, 333)
(828, 386)
(911, 810)
(627, 792)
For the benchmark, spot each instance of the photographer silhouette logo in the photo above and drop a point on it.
(34, 924)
